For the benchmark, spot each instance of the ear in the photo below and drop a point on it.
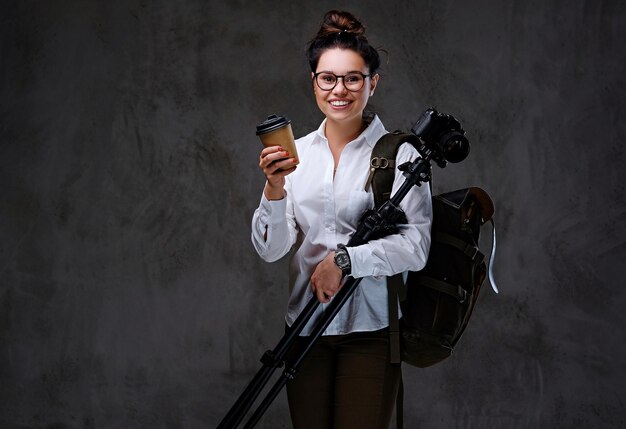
(373, 83)
(313, 80)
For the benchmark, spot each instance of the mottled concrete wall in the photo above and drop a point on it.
(130, 295)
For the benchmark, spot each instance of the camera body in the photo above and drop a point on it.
(442, 136)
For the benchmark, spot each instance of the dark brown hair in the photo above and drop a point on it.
(342, 30)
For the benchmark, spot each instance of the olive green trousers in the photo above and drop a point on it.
(345, 382)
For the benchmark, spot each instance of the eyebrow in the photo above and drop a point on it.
(332, 72)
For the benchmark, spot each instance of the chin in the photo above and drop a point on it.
(343, 116)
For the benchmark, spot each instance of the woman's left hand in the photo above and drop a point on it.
(326, 279)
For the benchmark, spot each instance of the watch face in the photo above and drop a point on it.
(342, 259)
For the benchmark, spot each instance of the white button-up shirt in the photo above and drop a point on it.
(322, 209)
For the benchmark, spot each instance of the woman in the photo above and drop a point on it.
(347, 379)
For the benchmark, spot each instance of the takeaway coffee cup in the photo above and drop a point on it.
(276, 131)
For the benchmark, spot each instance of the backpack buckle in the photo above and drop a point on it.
(375, 164)
(473, 253)
(463, 295)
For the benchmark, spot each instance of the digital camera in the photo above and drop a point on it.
(443, 137)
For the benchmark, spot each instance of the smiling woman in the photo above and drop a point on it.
(347, 379)
(343, 85)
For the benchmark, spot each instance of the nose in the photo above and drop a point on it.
(343, 88)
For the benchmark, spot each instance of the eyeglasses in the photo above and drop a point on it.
(352, 81)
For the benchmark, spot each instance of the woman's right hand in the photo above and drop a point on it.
(276, 163)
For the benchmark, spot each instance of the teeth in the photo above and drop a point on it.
(339, 103)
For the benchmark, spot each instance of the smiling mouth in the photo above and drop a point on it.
(339, 103)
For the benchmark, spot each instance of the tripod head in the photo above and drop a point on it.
(437, 137)
(441, 137)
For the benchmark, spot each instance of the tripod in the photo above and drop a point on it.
(374, 224)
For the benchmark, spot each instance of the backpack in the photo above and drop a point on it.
(436, 302)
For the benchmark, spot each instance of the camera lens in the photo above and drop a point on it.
(454, 146)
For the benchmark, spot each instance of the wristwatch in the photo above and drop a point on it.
(342, 259)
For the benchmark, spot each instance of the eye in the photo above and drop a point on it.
(327, 78)
(354, 78)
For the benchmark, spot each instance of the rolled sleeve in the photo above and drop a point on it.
(271, 229)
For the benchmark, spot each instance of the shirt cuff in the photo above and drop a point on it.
(275, 209)
(358, 265)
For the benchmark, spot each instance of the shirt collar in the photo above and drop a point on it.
(371, 134)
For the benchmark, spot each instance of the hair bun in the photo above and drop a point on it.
(336, 21)
(342, 30)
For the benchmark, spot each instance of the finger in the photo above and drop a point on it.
(271, 160)
(321, 296)
(285, 163)
(271, 149)
(278, 170)
(277, 156)
(273, 153)
(288, 171)
(275, 174)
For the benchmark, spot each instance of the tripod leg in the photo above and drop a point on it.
(291, 367)
(271, 361)
(267, 401)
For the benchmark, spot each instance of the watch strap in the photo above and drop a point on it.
(345, 268)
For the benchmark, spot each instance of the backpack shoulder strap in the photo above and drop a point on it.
(383, 164)
(380, 179)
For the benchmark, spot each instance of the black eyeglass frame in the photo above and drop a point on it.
(365, 76)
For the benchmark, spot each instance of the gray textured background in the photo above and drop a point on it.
(130, 295)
